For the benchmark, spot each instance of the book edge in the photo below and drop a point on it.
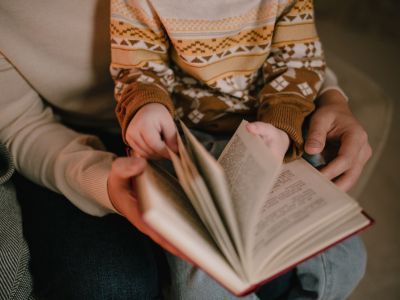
(254, 287)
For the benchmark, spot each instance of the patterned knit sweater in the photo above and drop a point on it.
(213, 63)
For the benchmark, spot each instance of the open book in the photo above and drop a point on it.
(246, 218)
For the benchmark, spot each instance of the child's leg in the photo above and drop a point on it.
(191, 283)
(333, 274)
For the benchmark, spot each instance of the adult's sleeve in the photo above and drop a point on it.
(294, 73)
(47, 152)
(139, 59)
(331, 83)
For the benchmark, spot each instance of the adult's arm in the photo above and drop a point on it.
(334, 122)
(331, 84)
(47, 152)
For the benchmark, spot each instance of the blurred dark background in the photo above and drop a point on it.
(362, 42)
(372, 16)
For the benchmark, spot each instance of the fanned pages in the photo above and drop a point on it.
(246, 218)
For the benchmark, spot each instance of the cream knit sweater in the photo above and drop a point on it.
(54, 65)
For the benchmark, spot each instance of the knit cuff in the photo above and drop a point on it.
(288, 118)
(138, 96)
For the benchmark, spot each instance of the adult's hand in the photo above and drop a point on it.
(124, 199)
(333, 123)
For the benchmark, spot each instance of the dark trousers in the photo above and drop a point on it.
(77, 256)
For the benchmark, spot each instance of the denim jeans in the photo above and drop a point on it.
(331, 275)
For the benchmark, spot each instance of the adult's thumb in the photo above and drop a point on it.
(316, 137)
(119, 183)
(124, 168)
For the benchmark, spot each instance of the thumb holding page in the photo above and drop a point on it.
(124, 199)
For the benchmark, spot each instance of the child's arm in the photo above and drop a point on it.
(294, 73)
(139, 67)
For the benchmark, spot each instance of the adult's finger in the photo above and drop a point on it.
(351, 144)
(320, 125)
(349, 178)
(336, 167)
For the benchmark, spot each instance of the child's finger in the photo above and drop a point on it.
(143, 144)
(260, 128)
(265, 131)
(156, 145)
(254, 128)
(138, 149)
(136, 142)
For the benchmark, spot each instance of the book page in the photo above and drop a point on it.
(312, 243)
(202, 201)
(251, 169)
(215, 178)
(184, 179)
(300, 201)
(166, 209)
(321, 236)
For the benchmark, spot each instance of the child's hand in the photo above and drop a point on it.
(276, 139)
(151, 130)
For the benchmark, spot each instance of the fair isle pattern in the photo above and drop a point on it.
(212, 72)
(129, 35)
(245, 38)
